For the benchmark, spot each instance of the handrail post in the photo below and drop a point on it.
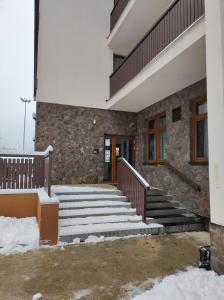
(47, 169)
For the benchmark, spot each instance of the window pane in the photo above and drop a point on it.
(163, 145)
(162, 121)
(117, 61)
(202, 138)
(202, 108)
(151, 124)
(152, 147)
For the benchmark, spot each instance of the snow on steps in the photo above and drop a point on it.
(105, 211)
(99, 220)
(74, 190)
(68, 234)
(94, 204)
(87, 211)
(86, 197)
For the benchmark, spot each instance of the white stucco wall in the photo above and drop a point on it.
(215, 91)
(74, 61)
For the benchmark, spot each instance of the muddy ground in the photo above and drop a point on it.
(104, 268)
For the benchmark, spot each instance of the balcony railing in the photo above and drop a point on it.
(180, 15)
(116, 12)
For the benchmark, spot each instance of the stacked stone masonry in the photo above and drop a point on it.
(179, 151)
(217, 248)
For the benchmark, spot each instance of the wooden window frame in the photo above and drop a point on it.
(195, 119)
(156, 131)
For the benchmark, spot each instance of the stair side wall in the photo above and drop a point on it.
(179, 151)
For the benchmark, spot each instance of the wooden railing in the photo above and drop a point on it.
(116, 12)
(133, 185)
(180, 15)
(26, 170)
(184, 178)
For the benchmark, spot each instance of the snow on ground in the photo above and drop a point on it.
(81, 294)
(38, 296)
(92, 239)
(18, 235)
(193, 284)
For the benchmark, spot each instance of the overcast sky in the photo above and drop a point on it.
(16, 71)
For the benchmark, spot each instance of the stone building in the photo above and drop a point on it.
(141, 80)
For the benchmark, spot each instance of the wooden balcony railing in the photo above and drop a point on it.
(180, 15)
(26, 170)
(133, 185)
(119, 7)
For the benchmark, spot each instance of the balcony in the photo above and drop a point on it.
(131, 20)
(176, 23)
(117, 11)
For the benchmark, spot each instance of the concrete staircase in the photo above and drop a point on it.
(85, 212)
(163, 210)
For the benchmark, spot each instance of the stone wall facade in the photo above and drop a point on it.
(74, 136)
(179, 151)
(217, 248)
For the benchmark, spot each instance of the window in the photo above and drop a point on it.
(118, 59)
(176, 114)
(200, 131)
(156, 139)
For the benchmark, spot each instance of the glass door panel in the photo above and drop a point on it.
(107, 158)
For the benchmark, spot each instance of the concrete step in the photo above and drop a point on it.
(165, 212)
(68, 234)
(93, 204)
(155, 192)
(164, 204)
(174, 220)
(152, 199)
(69, 190)
(87, 212)
(94, 197)
(184, 228)
(99, 220)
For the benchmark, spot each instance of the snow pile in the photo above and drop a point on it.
(38, 296)
(80, 294)
(18, 235)
(92, 239)
(194, 284)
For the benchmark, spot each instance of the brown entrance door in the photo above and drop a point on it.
(117, 146)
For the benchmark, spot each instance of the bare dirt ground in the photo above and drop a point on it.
(104, 268)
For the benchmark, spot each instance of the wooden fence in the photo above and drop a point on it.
(26, 170)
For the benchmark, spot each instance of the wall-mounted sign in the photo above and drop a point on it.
(107, 142)
(107, 156)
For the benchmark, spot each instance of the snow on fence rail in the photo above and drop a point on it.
(26, 170)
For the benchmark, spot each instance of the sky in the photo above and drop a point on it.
(16, 72)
